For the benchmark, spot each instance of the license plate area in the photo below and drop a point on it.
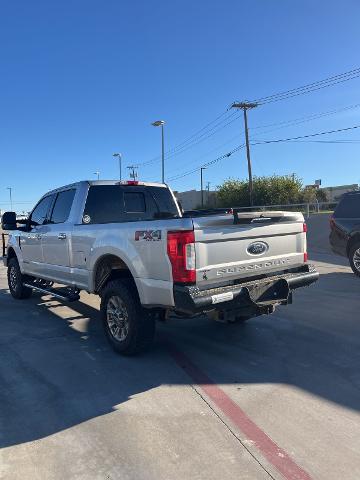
(271, 292)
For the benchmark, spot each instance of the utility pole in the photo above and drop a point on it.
(132, 171)
(208, 193)
(245, 107)
(202, 187)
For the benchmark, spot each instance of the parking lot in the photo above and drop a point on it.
(278, 397)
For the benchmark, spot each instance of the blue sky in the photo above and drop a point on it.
(82, 79)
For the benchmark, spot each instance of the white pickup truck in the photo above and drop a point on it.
(130, 243)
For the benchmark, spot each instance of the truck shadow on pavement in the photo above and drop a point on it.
(57, 370)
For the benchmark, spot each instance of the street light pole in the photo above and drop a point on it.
(161, 123)
(245, 107)
(11, 202)
(119, 155)
(98, 175)
(162, 154)
(202, 186)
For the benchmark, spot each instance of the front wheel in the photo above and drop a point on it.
(15, 281)
(129, 327)
(354, 258)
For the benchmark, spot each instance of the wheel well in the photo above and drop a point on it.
(11, 254)
(108, 268)
(354, 239)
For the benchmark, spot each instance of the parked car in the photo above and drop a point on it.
(345, 229)
(129, 243)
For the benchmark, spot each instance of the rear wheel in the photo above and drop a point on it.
(15, 281)
(354, 258)
(129, 327)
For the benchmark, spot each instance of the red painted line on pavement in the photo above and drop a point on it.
(268, 448)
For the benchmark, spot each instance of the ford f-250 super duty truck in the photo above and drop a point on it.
(130, 243)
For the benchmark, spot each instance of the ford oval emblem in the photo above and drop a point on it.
(257, 248)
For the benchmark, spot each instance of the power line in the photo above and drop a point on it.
(204, 133)
(315, 85)
(320, 84)
(192, 138)
(200, 140)
(328, 141)
(207, 153)
(286, 123)
(195, 142)
(208, 164)
(343, 142)
(307, 118)
(262, 142)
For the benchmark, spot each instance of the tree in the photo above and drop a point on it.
(321, 195)
(272, 190)
(312, 194)
(308, 195)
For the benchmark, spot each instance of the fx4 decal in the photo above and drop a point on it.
(148, 235)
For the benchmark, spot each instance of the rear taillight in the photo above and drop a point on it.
(181, 252)
(305, 229)
(332, 222)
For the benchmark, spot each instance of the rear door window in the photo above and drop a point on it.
(62, 207)
(104, 204)
(349, 207)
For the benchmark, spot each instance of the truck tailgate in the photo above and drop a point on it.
(242, 245)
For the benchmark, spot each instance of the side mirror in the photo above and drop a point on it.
(8, 221)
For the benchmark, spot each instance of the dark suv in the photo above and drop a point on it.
(345, 229)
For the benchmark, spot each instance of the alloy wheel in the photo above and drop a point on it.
(117, 318)
(356, 259)
(13, 278)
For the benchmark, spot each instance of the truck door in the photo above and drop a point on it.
(30, 241)
(56, 238)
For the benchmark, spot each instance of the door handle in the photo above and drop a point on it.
(62, 236)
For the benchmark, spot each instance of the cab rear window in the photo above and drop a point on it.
(116, 203)
(349, 207)
(134, 202)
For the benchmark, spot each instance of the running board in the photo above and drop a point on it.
(57, 293)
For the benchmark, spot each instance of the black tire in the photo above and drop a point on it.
(129, 327)
(15, 281)
(354, 258)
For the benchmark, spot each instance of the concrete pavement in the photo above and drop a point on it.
(201, 404)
